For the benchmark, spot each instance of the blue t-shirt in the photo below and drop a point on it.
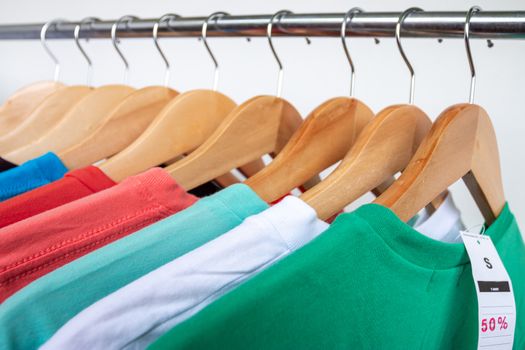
(30, 175)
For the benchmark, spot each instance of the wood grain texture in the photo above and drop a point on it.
(323, 139)
(179, 128)
(382, 149)
(123, 126)
(80, 121)
(461, 144)
(261, 125)
(43, 118)
(252, 168)
(23, 102)
(227, 179)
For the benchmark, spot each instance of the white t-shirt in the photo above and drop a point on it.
(139, 313)
(444, 224)
(136, 315)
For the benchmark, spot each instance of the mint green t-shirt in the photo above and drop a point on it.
(31, 316)
(369, 282)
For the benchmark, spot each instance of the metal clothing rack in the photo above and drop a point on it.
(484, 25)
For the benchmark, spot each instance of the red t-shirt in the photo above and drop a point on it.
(74, 185)
(42, 243)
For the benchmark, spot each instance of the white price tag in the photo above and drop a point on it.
(496, 305)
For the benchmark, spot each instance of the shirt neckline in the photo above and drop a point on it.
(419, 248)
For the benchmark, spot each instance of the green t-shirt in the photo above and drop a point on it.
(369, 282)
(31, 316)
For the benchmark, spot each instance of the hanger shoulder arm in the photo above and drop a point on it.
(383, 148)
(251, 130)
(461, 142)
(125, 123)
(484, 180)
(180, 127)
(323, 139)
(23, 102)
(79, 121)
(43, 118)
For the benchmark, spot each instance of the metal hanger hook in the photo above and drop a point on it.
(399, 24)
(43, 33)
(269, 29)
(90, 21)
(114, 40)
(166, 18)
(346, 20)
(204, 37)
(470, 13)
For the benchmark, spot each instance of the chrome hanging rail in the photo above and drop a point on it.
(484, 25)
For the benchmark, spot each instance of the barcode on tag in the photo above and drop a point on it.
(496, 305)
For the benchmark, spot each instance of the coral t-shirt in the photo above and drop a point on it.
(74, 185)
(42, 243)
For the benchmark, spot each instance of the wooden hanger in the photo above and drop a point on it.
(16, 109)
(323, 139)
(79, 122)
(129, 119)
(43, 118)
(56, 106)
(229, 179)
(123, 125)
(383, 148)
(180, 127)
(461, 144)
(20, 105)
(261, 125)
(251, 168)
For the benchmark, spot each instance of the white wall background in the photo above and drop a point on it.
(313, 73)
